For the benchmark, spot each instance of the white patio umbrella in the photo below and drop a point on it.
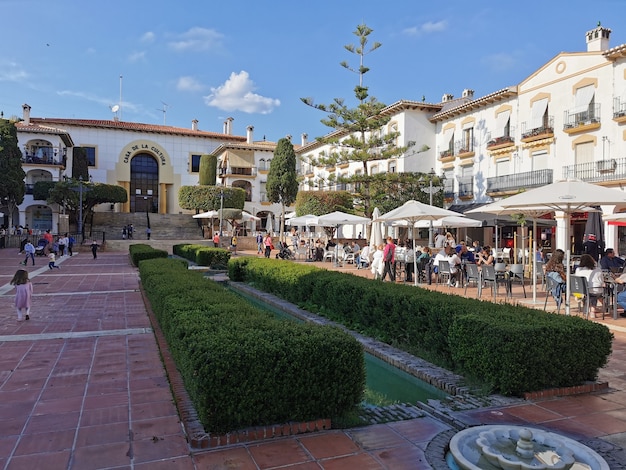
(414, 211)
(301, 220)
(567, 196)
(337, 219)
(207, 215)
(376, 232)
(453, 221)
(247, 217)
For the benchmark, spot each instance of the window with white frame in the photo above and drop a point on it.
(392, 168)
(583, 153)
(539, 160)
(503, 167)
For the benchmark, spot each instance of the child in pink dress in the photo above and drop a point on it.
(23, 294)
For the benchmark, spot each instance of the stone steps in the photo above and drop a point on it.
(163, 226)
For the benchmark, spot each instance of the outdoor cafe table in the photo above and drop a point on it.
(612, 288)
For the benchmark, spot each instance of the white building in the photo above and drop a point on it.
(568, 119)
(150, 161)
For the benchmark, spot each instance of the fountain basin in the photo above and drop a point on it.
(492, 447)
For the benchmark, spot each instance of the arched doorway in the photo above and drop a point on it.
(144, 183)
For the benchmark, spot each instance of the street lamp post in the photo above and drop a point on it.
(80, 207)
(221, 213)
(430, 192)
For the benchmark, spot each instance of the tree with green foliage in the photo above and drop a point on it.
(207, 173)
(207, 198)
(66, 194)
(282, 181)
(357, 136)
(391, 190)
(12, 186)
(324, 202)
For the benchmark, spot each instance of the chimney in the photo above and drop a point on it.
(598, 39)
(228, 126)
(447, 97)
(467, 93)
(249, 133)
(304, 138)
(26, 114)
(194, 125)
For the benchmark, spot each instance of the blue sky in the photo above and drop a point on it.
(254, 60)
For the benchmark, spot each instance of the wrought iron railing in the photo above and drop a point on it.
(466, 186)
(602, 170)
(448, 189)
(463, 146)
(547, 127)
(235, 170)
(530, 179)
(619, 107)
(590, 115)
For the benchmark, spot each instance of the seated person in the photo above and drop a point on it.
(610, 262)
(441, 255)
(595, 280)
(484, 257)
(455, 267)
(364, 258)
(465, 255)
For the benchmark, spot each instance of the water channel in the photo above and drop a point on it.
(383, 380)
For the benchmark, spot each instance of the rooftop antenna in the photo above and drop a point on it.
(119, 104)
(164, 111)
(114, 109)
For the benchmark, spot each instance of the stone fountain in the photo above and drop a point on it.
(494, 447)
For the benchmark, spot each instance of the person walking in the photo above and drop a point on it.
(267, 242)
(216, 240)
(23, 294)
(94, 249)
(52, 260)
(148, 232)
(29, 249)
(70, 245)
(259, 244)
(389, 258)
(233, 244)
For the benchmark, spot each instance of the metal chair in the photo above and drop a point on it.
(580, 290)
(443, 271)
(472, 274)
(330, 255)
(516, 274)
(540, 273)
(553, 286)
(421, 270)
(506, 255)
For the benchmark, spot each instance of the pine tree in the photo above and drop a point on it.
(357, 136)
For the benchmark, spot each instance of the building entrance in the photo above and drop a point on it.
(144, 183)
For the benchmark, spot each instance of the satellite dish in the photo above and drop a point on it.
(115, 108)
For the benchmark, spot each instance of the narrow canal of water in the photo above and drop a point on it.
(384, 382)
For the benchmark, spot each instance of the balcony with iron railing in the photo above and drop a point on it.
(619, 109)
(238, 171)
(448, 190)
(575, 121)
(466, 187)
(545, 131)
(464, 148)
(512, 183)
(612, 169)
(501, 142)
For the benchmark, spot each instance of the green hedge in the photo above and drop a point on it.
(243, 367)
(514, 349)
(141, 251)
(202, 255)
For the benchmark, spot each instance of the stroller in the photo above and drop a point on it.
(40, 249)
(284, 252)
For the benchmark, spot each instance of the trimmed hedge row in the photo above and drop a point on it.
(142, 251)
(203, 255)
(243, 367)
(514, 349)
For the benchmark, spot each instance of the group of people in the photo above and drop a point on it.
(128, 232)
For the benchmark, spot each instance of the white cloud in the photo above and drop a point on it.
(236, 94)
(428, 27)
(12, 72)
(188, 84)
(137, 57)
(197, 39)
(148, 37)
